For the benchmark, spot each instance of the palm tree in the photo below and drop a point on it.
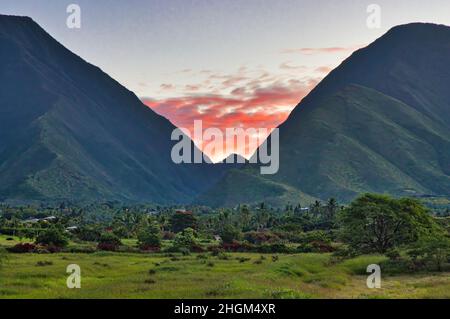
(331, 208)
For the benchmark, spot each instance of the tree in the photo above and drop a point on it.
(109, 241)
(88, 233)
(434, 250)
(149, 235)
(376, 223)
(230, 233)
(245, 217)
(182, 220)
(185, 239)
(52, 237)
(331, 209)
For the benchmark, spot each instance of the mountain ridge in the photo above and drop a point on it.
(379, 122)
(70, 131)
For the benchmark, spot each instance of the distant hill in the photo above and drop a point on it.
(69, 131)
(380, 122)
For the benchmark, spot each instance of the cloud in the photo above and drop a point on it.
(323, 69)
(289, 66)
(167, 87)
(192, 87)
(261, 107)
(325, 50)
(250, 97)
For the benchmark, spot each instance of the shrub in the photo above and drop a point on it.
(230, 233)
(433, 252)
(149, 236)
(260, 237)
(243, 259)
(109, 242)
(322, 247)
(215, 250)
(275, 248)
(236, 246)
(400, 266)
(186, 239)
(305, 248)
(314, 236)
(184, 251)
(345, 252)
(150, 248)
(223, 256)
(168, 235)
(53, 249)
(107, 247)
(88, 233)
(82, 249)
(182, 220)
(22, 248)
(52, 237)
(44, 263)
(393, 254)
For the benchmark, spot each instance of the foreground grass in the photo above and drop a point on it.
(121, 275)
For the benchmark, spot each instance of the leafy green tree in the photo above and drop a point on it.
(230, 233)
(149, 235)
(245, 217)
(316, 208)
(109, 241)
(182, 220)
(185, 239)
(331, 209)
(89, 233)
(434, 250)
(377, 223)
(52, 236)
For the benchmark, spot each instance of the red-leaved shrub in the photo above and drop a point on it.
(149, 248)
(22, 248)
(236, 246)
(107, 246)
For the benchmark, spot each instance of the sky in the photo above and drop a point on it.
(229, 63)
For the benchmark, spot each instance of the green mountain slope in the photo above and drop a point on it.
(380, 122)
(69, 131)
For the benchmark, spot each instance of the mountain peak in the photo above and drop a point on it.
(7, 21)
(418, 26)
(69, 131)
(380, 122)
(15, 17)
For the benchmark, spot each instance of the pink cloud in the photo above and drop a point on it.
(261, 107)
(326, 50)
(323, 69)
(289, 66)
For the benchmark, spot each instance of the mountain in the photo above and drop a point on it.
(380, 122)
(69, 131)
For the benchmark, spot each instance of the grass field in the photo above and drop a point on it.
(122, 275)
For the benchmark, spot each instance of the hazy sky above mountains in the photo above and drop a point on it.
(230, 63)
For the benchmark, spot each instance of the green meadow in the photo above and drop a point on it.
(233, 275)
